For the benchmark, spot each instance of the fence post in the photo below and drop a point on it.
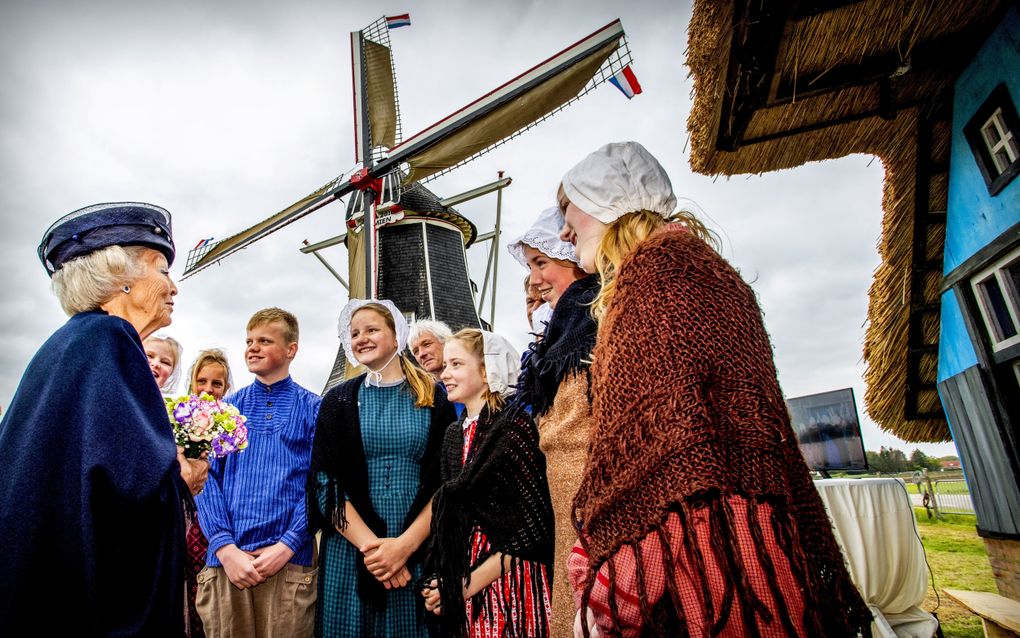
(931, 492)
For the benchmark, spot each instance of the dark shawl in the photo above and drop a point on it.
(564, 349)
(502, 490)
(90, 504)
(688, 410)
(339, 452)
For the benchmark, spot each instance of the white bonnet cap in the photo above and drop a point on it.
(502, 363)
(544, 236)
(541, 317)
(619, 178)
(354, 305)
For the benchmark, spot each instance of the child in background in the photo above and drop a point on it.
(209, 374)
(164, 355)
(492, 523)
(260, 578)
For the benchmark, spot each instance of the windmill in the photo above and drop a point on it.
(405, 243)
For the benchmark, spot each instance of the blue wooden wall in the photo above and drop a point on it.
(974, 217)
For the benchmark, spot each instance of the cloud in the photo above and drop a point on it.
(227, 112)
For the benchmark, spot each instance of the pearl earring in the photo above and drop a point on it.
(126, 289)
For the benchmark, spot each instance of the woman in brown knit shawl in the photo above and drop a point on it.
(697, 513)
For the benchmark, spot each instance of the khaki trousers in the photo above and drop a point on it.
(282, 606)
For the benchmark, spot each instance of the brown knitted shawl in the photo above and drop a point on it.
(688, 410)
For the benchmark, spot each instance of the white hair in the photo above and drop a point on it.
(84, 283)
(438, 329)
(170, 385)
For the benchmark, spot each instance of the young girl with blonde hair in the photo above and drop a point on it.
(372, 480)
(210, 373)
(492, 529)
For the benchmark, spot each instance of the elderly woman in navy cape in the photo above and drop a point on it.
(91, 518)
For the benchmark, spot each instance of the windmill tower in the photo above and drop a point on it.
(404, 242)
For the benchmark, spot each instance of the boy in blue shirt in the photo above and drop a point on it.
(260, 578)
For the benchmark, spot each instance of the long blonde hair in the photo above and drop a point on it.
(474, 342)
(422, 386)
(622, 236)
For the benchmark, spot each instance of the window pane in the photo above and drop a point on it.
(993, 130)
(1011, 148)
(1011, 274)
(1001, 160)
(995, 307)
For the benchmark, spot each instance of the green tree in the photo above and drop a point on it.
(888, 460)
(921, 461)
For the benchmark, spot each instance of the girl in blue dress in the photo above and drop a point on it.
(374, 473)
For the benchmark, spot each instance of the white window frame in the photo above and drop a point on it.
(1005, 140)
(1011, 297)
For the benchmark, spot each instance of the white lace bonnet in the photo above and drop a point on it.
(544, 236)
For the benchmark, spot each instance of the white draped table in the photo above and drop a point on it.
(873, 520)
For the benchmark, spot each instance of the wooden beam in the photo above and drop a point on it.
(816, 7)
(949, 52)
(758, 29)
(807, 128)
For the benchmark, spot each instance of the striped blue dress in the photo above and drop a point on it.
(394, 433)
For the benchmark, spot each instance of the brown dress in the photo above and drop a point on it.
(563, 436)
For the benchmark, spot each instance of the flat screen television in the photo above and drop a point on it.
(828, 430)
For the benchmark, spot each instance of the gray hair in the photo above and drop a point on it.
(438, 329)
(170, 385)
(84, 283)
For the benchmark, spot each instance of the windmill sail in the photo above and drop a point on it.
(210, 253)
(484, 124)
(382, 95)
(516, 106)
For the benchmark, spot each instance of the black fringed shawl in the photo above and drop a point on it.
(565, 348)
(502, 490)
(338, 452)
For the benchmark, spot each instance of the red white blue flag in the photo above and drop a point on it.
(626, 81)
(394, 22)
(202, 243)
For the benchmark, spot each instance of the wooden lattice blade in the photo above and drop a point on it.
(209, 254)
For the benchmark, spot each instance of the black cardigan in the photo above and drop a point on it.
(339, 452)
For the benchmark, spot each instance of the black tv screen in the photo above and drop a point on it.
(828, 430)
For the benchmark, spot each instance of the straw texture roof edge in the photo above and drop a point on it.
(894, 142)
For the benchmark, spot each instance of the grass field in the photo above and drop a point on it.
(958, 560)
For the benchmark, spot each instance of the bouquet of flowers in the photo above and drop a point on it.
(204, 424)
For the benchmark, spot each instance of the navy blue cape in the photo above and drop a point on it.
(90, 500)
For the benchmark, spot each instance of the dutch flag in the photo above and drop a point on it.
(394, 22)
(202, 243)
(626, 81)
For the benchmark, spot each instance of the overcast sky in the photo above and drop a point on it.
(227, 112)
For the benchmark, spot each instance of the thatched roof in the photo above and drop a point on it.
(779, 84)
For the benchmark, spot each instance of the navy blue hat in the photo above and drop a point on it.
(88, 229)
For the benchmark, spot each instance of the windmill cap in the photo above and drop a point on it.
(89, 229)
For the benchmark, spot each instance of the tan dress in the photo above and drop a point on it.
(563, 436)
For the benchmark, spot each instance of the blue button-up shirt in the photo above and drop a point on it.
(256, 497)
